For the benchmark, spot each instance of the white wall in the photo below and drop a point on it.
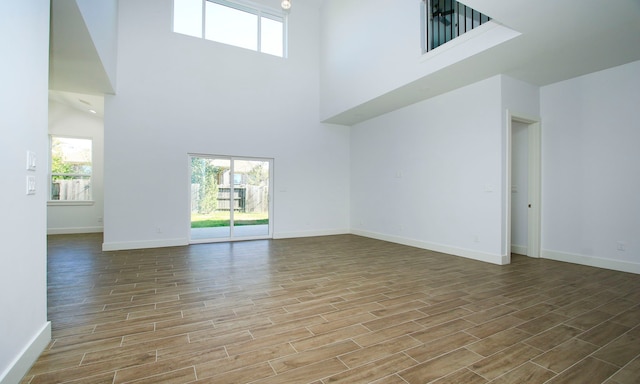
(24, 330)
(430, 174)
(178, 94)
(67, 121)
(520, 98)
(591, 169)
(101, 19)
(370, 51)
(367, 50)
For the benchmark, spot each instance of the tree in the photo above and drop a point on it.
(258, 175)
(205, 175)
(209, 189)
(58, 164)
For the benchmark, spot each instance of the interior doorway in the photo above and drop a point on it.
(524, 194)
(229, 198)
(519, 187)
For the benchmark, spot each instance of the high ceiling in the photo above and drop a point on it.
(76, 73)
(558, 40)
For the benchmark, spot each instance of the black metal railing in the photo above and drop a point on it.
(448, 19)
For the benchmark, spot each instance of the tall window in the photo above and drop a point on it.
(261, 30)
(71, 169)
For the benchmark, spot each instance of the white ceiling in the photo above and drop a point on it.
(76, 73)
(80, 101)
(559, 40)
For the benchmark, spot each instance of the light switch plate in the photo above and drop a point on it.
(31, 185)
(31, 161)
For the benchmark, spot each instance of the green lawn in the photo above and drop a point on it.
(221, 219)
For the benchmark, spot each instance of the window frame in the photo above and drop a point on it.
(255, 9)
(90, 176)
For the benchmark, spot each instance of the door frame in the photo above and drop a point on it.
(231, 236)
(534, 181)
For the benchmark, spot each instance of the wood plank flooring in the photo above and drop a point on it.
(336, 309)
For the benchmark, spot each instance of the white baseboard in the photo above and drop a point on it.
(467, 253)
(23, 362)
(127, 245)
(592, 261)
(519, 249)
(73, 230)
(292, 235)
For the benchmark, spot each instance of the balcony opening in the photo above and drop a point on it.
(444, 20)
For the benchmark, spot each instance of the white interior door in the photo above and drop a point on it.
(519, 187)
(524, 175)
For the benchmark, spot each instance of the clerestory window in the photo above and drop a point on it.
(258, 29)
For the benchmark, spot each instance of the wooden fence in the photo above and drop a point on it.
(246, 198)
(70, 190)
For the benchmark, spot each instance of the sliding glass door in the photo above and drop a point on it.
(230, 198)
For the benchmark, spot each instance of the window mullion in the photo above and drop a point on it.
(259, 31)
(233, 28)
(204, 19)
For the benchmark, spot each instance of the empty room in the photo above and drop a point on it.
(320, 191)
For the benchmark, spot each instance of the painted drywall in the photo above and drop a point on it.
(519, 187)
(24, 329)
(179, 94)
(360, 43)
(430, 174)
(372, 57)
(591, 169)
(520, 98)
(70, 122)
(101, 19)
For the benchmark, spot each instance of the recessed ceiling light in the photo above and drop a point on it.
(92, 111)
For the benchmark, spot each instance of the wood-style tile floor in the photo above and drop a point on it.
(331, 310)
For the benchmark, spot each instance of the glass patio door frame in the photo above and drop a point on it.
(232, 235)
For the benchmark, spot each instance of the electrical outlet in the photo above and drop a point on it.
(622, 246)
